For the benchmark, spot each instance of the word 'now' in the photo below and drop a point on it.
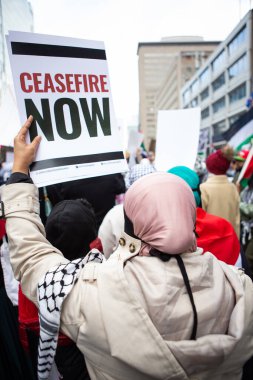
(91, 116)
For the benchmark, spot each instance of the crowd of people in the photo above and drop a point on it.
(143, 276)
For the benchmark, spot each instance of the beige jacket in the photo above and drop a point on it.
(131, 316)
(221, 198)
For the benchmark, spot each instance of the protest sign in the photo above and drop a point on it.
(134, 142)
(64, 84)
(177, 138)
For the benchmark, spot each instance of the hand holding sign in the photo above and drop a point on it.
(24, 154)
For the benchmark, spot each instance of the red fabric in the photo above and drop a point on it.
(29, 319)
(249, 170)
(96, 244)
(217, 236)
(2, 228)
(242, 155)
(216, 163)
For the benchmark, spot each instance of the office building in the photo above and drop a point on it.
(164, 67)
(223, 84)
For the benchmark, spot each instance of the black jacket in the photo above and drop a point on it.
(99, 191)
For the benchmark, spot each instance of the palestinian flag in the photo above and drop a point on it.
(240, 136)
(247, 169)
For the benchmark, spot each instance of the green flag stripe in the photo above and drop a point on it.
(245, 142)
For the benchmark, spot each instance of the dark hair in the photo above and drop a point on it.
(71, 227)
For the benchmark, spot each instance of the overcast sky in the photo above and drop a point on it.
(122, 24)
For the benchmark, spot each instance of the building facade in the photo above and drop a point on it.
(222, 85)
(164, 67)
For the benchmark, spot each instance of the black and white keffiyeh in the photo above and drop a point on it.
(137, 171)
(51, 292)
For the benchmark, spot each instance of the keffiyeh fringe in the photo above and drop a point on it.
(52, 290)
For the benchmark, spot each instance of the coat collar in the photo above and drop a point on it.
(217, 178)
(128, 247)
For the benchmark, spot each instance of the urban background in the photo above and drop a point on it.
(174, 72)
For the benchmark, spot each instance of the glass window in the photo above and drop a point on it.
(204, 76)
(219, 61)
(195, 85)
(219, 104)
(219, 127)
(237, 41)
(238, 93)
(205, 113)
(238, 67)
(220, 81)
(186, 96)
(234, 118)
(204, 94)
(194, 102)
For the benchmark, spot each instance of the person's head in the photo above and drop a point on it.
(191, 178)
(71, 227)
(139, 170)
(160, 210)
(218, 162)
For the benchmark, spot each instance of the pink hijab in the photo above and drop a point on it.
(162, 209)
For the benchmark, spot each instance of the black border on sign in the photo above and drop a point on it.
(75, 160)
(45, 50)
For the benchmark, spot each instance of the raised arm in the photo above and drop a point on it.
(31, 254)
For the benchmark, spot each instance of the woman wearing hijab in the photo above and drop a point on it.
(113, 223)
(157, 309)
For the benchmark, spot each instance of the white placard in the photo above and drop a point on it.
(134, 142)
(64, 84)
(177, 138)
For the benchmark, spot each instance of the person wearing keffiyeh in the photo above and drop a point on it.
(156, 309)
(138, 170)
(67, 219)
